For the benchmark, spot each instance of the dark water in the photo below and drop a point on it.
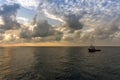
(59, 63)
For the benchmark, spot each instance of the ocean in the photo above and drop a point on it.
(59, 63)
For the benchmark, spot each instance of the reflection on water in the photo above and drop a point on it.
(59, 63)
(13, 61)
(5, 60)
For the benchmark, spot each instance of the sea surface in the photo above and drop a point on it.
(59, 63)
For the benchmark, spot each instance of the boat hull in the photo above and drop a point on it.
(94, 50)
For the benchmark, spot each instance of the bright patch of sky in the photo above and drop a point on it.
(26, 13)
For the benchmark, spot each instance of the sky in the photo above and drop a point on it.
(55, 21)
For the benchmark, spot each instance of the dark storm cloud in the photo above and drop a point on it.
(73, 22)
(25, 33)
(8, 14)
(42, 29)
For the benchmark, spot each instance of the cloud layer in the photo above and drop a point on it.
(101, 16)
(81, 19)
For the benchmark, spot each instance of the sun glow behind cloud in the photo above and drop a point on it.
(1, 21)
(63, 43)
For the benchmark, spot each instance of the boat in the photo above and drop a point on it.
(93, 49)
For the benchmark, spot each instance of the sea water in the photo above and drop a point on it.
(59, 63)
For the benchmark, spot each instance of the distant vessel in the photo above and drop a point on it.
(93, 49)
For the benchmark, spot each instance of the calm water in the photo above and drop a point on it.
(59, 63)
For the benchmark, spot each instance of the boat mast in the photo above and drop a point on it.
(92, 40)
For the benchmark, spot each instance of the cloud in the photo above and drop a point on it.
(22, 20)
(74, 36)
(25, 33)
(62, 12)
(1, 21)
(108, 32)
(53, 16)
(1, 37)
(73, 22)
(95, 8)
(8, 15)
(28, 4)
(41, 29)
